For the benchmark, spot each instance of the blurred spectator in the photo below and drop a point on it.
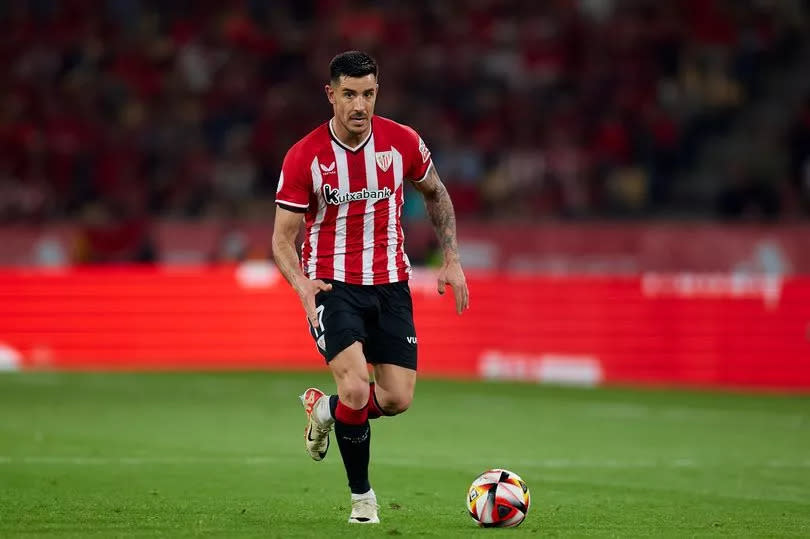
(756, 180)
(799, 144)
(232, 245)
(235, 172)
(109, 237)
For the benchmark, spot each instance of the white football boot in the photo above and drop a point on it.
(316, 435)
(364, 509)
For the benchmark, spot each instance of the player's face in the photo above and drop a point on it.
(353, 100)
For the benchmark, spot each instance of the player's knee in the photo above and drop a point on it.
(396, 404)
(354, 393)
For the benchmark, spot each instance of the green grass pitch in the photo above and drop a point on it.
(221, 455)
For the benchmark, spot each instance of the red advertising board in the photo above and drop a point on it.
(664, 329)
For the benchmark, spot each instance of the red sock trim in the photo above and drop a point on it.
(350, 416)
(374, 410)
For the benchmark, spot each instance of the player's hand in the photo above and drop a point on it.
(452, 274)
(307, 290)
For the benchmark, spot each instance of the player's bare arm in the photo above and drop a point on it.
(285, 231)
(440, 209)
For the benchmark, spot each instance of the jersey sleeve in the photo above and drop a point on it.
(417, 158)
(294, 184)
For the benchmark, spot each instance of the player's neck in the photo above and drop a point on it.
(346, 137)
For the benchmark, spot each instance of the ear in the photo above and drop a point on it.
(330, 93)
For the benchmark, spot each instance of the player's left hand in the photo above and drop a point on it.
(451, 274)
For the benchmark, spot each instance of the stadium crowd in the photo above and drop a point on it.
(132, 109)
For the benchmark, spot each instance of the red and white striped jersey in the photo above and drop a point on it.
(352, 198)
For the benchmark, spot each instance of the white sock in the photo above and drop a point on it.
(369, 494)
(322, 413)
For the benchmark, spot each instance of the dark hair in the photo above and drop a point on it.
(352, 64)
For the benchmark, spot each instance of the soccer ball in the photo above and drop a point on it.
(498, 498)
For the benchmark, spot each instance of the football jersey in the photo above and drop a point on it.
(352, 199)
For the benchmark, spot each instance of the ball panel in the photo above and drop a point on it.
(512, 477)
(477, 499)
(505, 511)
(488, 477)
(483, 507)
(512, 495)
(514, 520)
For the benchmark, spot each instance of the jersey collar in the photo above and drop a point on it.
(349, 148)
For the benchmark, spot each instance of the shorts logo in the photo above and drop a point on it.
(328, 169)
(336, 196)
(411, 340)
(320, 332)
(384, 160)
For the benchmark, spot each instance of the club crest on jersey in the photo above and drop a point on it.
(328, 169)
(384, 160)
(336, 196)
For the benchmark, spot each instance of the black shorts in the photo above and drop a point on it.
(378, 316)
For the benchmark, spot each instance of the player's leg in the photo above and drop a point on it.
(340, 325)
(351, 415)
(374, 408)
(393, 389)
(352, 429)
(391, 347)
(316, 403)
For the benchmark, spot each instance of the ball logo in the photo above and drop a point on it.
(473, 494)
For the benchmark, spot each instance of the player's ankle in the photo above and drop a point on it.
(365, 495)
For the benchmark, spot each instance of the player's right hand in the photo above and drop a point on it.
(451, 274)
(307, 290)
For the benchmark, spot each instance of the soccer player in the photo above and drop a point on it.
(346, 178)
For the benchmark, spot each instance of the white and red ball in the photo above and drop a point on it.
(498, 498)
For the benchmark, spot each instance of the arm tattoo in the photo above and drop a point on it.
(440, 209)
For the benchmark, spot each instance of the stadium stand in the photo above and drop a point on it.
(116, 113)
